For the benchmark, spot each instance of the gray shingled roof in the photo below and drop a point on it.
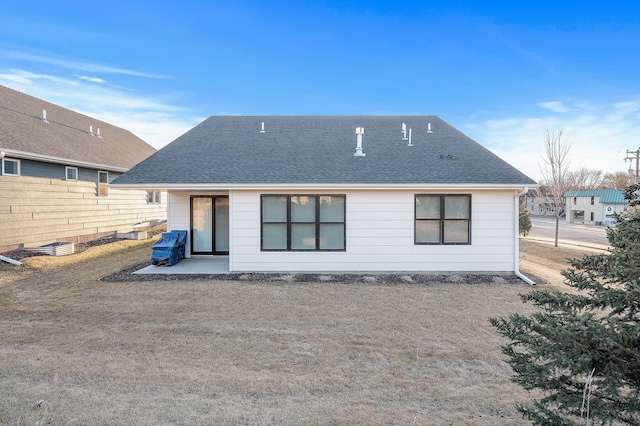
(319, 150)
(66, 134)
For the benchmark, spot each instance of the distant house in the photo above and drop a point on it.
(540, 203)
(56, 166)
(358, 193)
(595, 207)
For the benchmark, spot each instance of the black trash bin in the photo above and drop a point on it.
(169, 249)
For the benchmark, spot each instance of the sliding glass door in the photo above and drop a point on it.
(209, 224)
(221, 224)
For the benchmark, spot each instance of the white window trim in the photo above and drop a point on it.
(66, 173)
(15, 160)
(151, 197)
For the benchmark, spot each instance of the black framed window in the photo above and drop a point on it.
(442, 219)
(303, 222)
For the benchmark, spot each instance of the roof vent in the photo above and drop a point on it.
(98, 133)
(429, 128)
(359, 134)
(91, 130)
(262, 128)
(44, 115)
(404, 131)
(409, 144)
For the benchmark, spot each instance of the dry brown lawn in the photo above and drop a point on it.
(76, 351)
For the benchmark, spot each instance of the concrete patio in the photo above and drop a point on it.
(192, 265)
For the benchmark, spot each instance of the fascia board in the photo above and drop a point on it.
(320, 187)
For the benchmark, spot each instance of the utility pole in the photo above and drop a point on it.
(634, 155)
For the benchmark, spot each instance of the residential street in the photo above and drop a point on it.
(543, 227)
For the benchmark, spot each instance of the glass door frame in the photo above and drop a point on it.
(213, 224)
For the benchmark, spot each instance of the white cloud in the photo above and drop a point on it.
(91, 79)
(28, 78)
(554, 106)
(599, 136)
(155, 128)
(15, 78)
(76, 64)
(156, 121)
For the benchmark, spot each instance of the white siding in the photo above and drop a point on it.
(179, 212)
(379, 235)
(583, 204)
(608, 211)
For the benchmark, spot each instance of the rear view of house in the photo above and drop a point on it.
(56, 166)
(354, 193)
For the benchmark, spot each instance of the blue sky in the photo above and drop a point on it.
(501, 72)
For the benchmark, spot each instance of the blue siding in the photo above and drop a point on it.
(39, 169)
(57, 171)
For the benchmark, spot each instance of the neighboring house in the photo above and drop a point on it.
(595, 207)
(360, 193)
(540, 203)
(55, 170)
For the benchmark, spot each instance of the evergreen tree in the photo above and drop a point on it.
(582, 349)
(525, 218)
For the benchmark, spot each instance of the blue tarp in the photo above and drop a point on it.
(169, 249)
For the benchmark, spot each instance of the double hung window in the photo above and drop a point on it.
(303, 223)
(443, 219)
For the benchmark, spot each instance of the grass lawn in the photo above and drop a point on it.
(75, 351)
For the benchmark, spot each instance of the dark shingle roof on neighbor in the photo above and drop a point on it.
(65, 135)
(320, 150)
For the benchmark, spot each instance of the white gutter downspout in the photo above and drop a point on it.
(516, 243)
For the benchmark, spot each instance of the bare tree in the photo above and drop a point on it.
(618, 180)
(555, 170)
(585, 179)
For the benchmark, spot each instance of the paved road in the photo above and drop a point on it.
(545, 227)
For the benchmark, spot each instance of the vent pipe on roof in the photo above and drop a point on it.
(91, 130)
(262, 128)
(359, 134)
(409, 144)
(429, 128)
(404, 131)
(44, 115)
(99, 133)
